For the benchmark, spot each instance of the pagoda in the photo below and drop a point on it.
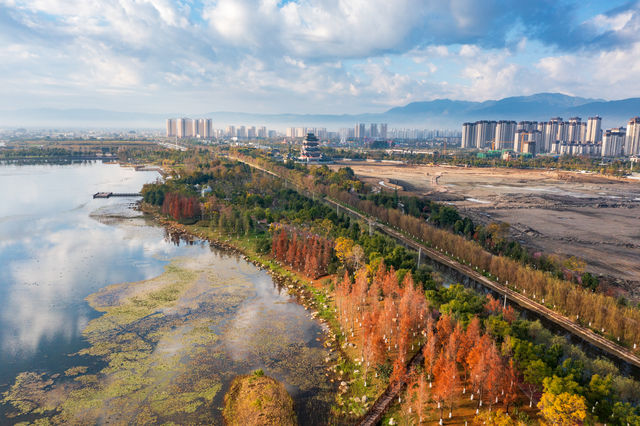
(310, 150)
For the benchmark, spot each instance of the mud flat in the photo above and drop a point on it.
(592, 217)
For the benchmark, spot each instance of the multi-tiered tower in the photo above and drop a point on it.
(310, 150)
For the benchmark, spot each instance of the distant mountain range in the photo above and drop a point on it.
(440, 113)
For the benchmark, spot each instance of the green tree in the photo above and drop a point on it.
(534, 374)
(599, 396)
(625, 414)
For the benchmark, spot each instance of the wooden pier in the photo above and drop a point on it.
(116, 194)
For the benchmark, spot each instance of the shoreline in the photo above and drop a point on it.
(292, 282)
(182, 230)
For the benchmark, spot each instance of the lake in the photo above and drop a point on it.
(168, 324)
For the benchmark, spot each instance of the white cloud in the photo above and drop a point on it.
(323, 55)
(469, 51)
(612, 73)
(612, 23)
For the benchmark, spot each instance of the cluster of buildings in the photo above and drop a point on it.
(302, 132)
(244, 132)
(201, 128)
(381, 131)
(374, 131)
(189, 128)
(408, 134)
(556, 136)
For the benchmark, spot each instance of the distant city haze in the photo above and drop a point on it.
(121, 62)
(437, 114)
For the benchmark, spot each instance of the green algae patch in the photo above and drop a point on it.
(74, 371)
(258, 400)
(171, 344)
(29, 393)
(158, 340)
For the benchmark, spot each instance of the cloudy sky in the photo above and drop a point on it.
(310, 56)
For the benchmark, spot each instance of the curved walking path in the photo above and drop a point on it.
(375, 413)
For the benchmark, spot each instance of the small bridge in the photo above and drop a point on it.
(116, 194)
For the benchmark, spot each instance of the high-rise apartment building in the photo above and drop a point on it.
(373, 131)
(593, 134)
(383, 130)
(485, 133)
(204, 128)
(182, 125)
(527, 126)
(527, 141)
(563, 131)
(186, 127)
(632, 140)
(573, 130)
(505, 134)
(613, 142)
(195, 128)
(468, 135)
(171, 127)
(360, 131)
(550, 133)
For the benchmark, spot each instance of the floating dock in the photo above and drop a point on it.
(116, 194)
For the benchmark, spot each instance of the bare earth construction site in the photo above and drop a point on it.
(592, 217)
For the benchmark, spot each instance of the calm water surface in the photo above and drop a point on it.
(58, 245)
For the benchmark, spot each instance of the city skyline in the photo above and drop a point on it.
(310, 56)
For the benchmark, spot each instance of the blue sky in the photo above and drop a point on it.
(323, 56)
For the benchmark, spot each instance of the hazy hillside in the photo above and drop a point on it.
(439, 113)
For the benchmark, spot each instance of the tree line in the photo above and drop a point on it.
(302, 251)
(600, 312)
(381, 302)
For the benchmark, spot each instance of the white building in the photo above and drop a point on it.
(485, 133)
(373, 132)
(550, 133)
(574, 129)
(182, 125)
(171, 127)
(505, 134)
(594, 134)
(383, 130)
(632, 140)
(468, 135)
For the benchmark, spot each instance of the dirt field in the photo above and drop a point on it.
(591, 217)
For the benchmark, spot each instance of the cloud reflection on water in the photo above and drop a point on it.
(53, 254)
